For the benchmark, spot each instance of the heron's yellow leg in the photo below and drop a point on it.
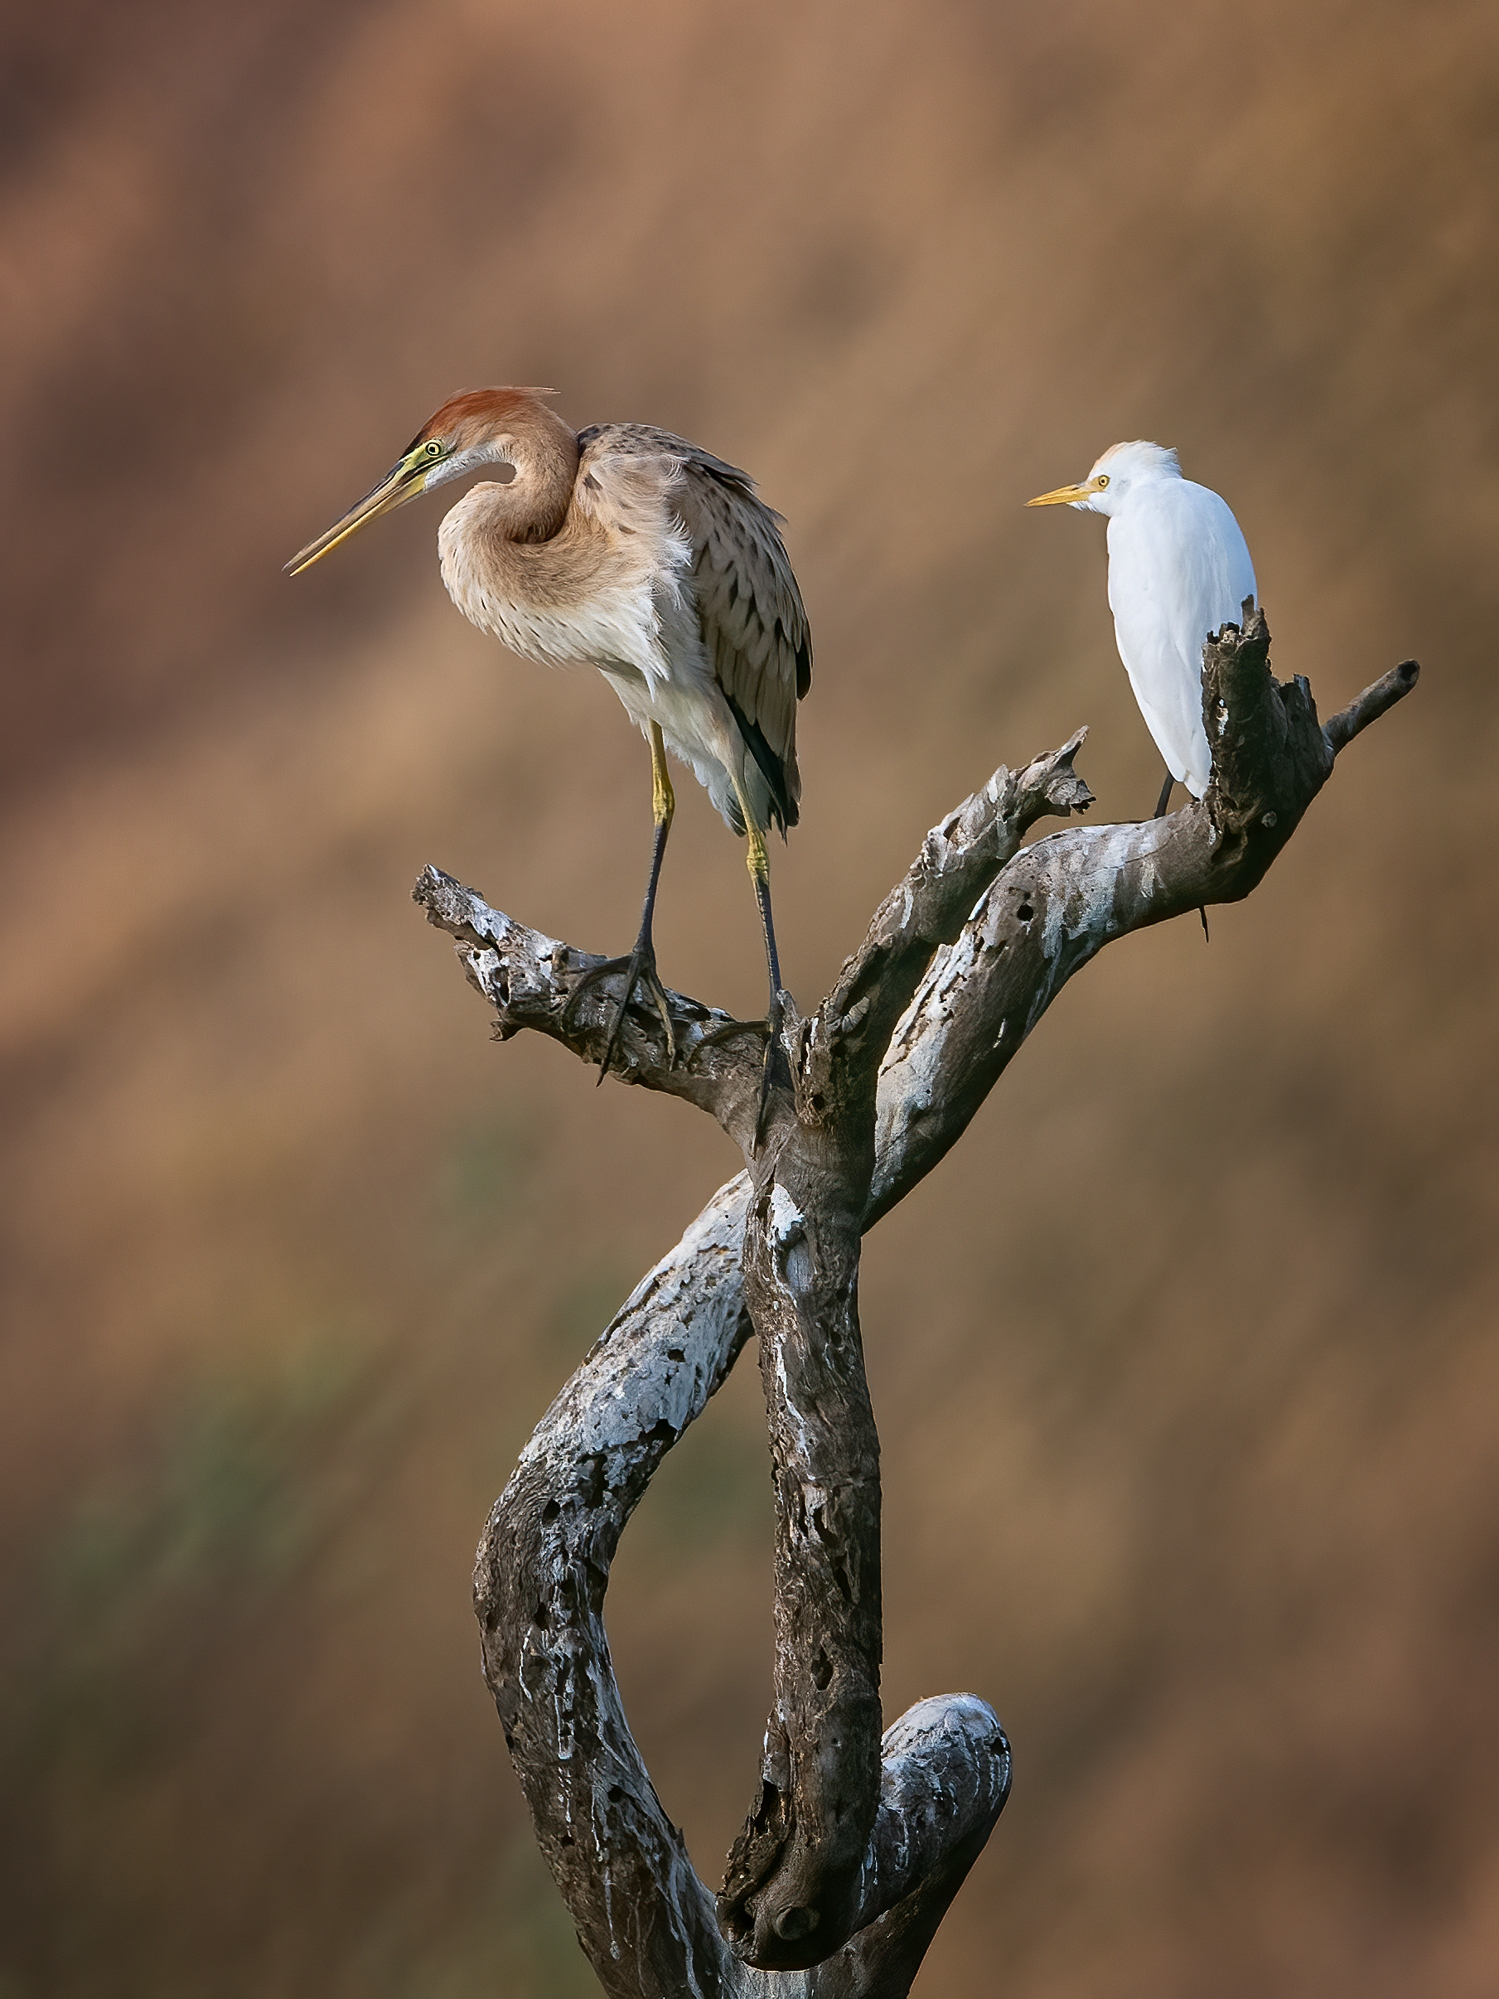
(640, 967)
(758, 863)
(756, 860)
(663, 798)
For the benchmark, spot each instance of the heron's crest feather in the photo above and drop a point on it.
(481, 410)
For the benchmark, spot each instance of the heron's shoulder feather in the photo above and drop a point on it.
(753, 622)
(629, 490)
(645, 440)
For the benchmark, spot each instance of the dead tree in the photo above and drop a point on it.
(855, 1845)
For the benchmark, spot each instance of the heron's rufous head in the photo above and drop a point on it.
(481, 427)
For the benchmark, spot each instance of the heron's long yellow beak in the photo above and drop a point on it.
(1067, 495)
(402, 483)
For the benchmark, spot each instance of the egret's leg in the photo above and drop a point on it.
(640, 967)
(1160, 812)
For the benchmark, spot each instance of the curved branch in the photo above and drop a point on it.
(644, 1918)
(1038, 915)
(796, 1880)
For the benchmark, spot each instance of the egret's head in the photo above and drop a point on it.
(511, 430)
(1123, 469)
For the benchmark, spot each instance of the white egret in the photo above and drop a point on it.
(1178, 569)
(628, 549)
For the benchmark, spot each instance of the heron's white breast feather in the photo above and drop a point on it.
(593, 594)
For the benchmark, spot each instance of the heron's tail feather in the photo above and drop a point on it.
(784, 810)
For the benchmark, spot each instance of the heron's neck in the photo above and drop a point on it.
(497, 566)
(534, 505)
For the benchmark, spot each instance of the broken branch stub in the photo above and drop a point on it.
(857, 1843)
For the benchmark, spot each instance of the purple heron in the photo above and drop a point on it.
(625, 548)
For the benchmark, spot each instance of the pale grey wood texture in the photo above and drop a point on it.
(855, 1844)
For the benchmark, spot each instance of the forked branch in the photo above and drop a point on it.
(855, 1845)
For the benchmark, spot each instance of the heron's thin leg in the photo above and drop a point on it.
(663, 805)
(759, 867)
(640, 967)
(758, 862)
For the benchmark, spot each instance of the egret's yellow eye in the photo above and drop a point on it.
(1103, 478)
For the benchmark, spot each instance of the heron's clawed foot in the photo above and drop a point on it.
(775, 1070)
(717, 1036)
(640, 974)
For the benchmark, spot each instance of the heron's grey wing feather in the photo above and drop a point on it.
(753, 621)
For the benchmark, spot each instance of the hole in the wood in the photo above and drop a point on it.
(614, 1794)
(1025, 912)
(549, 1512)
(822, 1669)
(675, 1353)
(543, 1618)
(793, 1924)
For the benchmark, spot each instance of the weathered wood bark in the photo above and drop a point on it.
(855, 1846)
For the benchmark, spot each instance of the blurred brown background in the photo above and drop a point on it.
(1185, 1361)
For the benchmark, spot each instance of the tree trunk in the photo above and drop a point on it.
(855, 1844)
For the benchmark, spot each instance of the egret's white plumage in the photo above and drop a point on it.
(1178, 569)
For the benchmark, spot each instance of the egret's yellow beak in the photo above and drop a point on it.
(1067, 495)
(403, 482)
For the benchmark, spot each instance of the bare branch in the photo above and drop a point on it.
(929, 905)
(792, 1891)
(852, 1838)
(1371, 704)
(1059, 902)
(643, 1917)
(532, 980)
